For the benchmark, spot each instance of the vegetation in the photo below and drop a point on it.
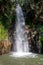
(3, 32)
(5, 17)
(32, 9)
(33, 13)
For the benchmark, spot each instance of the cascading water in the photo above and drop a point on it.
(21, 43)
(20, 37)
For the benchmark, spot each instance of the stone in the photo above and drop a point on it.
(5, 46)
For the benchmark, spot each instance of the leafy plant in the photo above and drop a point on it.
(3, 32)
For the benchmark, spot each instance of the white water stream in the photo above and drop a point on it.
(21, 43)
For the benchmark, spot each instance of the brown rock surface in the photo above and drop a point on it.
(5, 46)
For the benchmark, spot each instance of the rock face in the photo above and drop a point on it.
(33, 37)
(5, 46)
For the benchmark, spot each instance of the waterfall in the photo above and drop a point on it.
(21, 41)
(21, 44)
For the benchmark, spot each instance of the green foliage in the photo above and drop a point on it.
(41, 39)
(40, 29)
(3, 32)
(6, 11)
(21, 2)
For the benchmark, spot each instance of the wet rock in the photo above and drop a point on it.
(5, 46)
(33, 37)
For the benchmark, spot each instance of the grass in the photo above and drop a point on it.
(7, 60)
